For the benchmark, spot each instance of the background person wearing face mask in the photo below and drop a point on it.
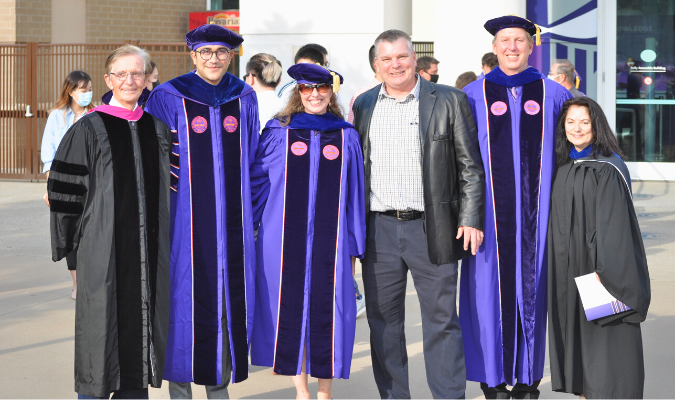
(562, 72)
(427, 67)
(74, 102)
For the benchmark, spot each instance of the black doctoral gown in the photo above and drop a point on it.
(109, 196)
(593, 228)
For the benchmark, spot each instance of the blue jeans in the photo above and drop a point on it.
(359, 296)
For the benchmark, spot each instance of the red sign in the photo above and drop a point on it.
(648, 81)
(228, 19)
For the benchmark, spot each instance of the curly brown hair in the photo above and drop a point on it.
(295, 106)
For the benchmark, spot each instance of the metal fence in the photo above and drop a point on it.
(31, 76)
(424, 49)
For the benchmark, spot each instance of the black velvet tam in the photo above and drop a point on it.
(212, 34)
(312, 73)
(510, 21)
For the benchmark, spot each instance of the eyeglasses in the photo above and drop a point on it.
(122, 76)
(221, 54)
(308, 89)
(249, 74)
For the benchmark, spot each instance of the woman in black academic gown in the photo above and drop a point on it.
(593, 229)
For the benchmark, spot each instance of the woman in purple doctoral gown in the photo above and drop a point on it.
(307, 190)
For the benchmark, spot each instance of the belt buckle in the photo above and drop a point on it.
(400, 215)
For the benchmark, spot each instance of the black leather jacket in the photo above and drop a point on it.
(452, 169)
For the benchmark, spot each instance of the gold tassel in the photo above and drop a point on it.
(538, 35)
(576, 85)
(241, 50)
(336, 79)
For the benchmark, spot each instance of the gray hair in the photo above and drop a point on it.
(391, 36)
(128, 50)
(566, 68)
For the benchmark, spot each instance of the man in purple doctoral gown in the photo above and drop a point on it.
(503, 287)
(214, 119)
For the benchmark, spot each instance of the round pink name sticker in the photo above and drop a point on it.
(230, 124)
(331, 152)
(299, 148)
(199, 124)
(498, 108)
(532, 107)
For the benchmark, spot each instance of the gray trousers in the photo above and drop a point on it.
(392, 248)
(179, 390)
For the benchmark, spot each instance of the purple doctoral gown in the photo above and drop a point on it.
(308, 191)
(503, 287)
(215, 136)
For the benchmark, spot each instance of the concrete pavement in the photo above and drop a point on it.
(37, 314)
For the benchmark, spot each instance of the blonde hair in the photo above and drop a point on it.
(128, 50)
(294, 106)
(266, 67)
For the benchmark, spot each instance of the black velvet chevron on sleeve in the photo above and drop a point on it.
(69, 168)
(66, 187)
(66, 207)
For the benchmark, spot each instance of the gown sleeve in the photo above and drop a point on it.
(260, 180)
(621, 261)
(253, 127)
(69, 186)
(159, 105)
(356, 208)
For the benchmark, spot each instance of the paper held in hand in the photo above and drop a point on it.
(596, 299)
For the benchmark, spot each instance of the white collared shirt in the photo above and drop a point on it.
(114, 102)
(395, 153)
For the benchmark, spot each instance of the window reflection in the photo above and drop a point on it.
(645, 93)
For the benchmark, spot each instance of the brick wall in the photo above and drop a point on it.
(8, 21)
(147, 21)
(33, 21)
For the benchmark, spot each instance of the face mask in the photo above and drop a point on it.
(433, 78)
(155, 84)
(83, 99)
(553, 77)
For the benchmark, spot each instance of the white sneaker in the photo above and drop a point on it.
(360, 306)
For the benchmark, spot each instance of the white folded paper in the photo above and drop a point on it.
(596, 300)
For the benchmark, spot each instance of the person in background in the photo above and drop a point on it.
(562, 71)
(306, 54)
(308, 162)
(73, 103)
(263, 74)
(427, 68)
(488, 63)
(376, 80)
(502, 305)
(153, 78)
(593, 229)
(109, 196)
(214, 119)
(421, 157)
(464, 79)
(321, 50)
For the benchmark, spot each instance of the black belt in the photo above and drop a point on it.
(404, 215)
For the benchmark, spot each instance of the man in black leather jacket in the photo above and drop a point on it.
(425, 202)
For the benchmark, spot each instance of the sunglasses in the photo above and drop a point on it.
(308, 89)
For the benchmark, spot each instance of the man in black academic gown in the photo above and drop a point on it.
(109, 197)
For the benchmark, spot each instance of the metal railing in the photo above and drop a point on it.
(31, 76)
(424, 49)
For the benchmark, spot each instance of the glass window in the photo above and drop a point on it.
(645, 92)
